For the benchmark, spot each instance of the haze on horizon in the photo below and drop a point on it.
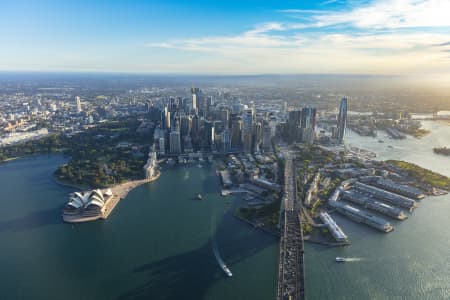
(379, 37)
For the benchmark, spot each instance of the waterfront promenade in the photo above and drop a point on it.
(291, 274)
(120, 191)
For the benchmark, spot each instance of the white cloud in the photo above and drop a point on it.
(336, 53)
(386, 14)
(380, 46)
(267, 27)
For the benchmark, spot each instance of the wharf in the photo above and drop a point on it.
(362, 216)
(372, 204)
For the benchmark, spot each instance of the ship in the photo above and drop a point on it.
(199, 197)
(341, 259)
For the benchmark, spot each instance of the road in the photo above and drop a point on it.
(291, 275)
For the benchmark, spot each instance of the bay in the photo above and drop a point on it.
(157, 244)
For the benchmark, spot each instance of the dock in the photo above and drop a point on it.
(372, 204)
(386, 196)
(362, 216)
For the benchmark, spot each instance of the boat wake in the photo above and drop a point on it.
(352, 259)
(216, 252)
(340, 259)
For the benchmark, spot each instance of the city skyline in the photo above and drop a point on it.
(256, 37)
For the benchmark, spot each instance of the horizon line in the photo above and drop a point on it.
(91, 72)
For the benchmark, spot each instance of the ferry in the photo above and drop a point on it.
(341, 259)
(227, 271)
(199, 197)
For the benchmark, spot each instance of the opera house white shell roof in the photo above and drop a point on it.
(94, 197)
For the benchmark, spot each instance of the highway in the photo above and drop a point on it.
(291, 274)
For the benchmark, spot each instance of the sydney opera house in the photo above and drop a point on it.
(86, 206)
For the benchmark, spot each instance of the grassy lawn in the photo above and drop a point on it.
(427, 176)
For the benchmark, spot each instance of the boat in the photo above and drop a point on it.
(341, 259)
(227, 271)
(199, 196)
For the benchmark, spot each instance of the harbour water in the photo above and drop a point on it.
(158, 242)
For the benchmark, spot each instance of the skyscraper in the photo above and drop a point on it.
(293, 126)
(224, 116)
(162, 146)
(208, 137)
(226, 140)
(236, 105)
(308, 125)
(175, 143)
(79, 104)
(308, 119)
(165, 118)
(194, 103)
(236, 132)
(342, 120)
(257, 136)
(266, 138)
(185, 124)
(247, 130)
(195, 125)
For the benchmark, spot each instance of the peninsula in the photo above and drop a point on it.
(98, 204)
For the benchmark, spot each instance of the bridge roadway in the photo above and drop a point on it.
(291, 272)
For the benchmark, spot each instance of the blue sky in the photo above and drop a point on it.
(227, 37)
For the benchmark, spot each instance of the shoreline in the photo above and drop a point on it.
(66, 184)
(9, 159)
(124, 188)
(121, 191)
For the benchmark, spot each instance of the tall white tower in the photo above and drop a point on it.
(79, 104)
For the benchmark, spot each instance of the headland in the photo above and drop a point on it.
(98, 204)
